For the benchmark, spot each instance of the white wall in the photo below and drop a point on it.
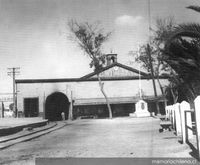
(86, 89)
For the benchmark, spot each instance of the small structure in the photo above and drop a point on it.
(165, 125)
(141, 109)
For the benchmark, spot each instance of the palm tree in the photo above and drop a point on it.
(182, 53)
(191, 30)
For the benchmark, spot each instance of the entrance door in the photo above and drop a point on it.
(56, 103)
(31, 107)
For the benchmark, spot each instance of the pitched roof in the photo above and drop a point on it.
(113, 65)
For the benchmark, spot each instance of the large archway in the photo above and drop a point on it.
(56, 103)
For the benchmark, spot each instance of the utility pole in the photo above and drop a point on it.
(2, 105)
(150, 59)
(140, 86)
(13, 72)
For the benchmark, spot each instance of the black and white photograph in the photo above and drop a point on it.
(99, 82)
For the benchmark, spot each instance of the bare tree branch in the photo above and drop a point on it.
(90, 39)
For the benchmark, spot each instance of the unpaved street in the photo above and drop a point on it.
(118, 137)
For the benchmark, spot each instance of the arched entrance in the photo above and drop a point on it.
(56, 103)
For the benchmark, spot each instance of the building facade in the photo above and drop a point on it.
(6, 104)
(81, 97)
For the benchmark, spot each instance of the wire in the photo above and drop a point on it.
(149, 17)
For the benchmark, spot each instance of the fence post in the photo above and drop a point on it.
(167, 109)
(2, 109)
(177, 119)
(172, 116)
(184, 106)
(189, 124)
(197, 121)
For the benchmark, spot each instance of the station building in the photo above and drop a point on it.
(81, 97)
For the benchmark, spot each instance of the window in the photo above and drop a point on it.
(31, 107)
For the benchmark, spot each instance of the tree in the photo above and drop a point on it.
(182, 53)
(183, 57)
(191, 30)
(151, 55)
(175, 62)
(164, 28)
(151, 61)
(145, 57)
(90, 39)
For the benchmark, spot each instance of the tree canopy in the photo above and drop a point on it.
(182, 54)
(90, 38)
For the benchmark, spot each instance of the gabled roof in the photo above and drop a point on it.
(143, 74)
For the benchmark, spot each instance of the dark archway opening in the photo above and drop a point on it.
(56, 103)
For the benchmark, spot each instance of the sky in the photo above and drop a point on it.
(35, 37)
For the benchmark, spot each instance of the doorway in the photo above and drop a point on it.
(56, 103)
(31, 107)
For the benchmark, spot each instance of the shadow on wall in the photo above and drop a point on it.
(152, 107)
(101, 111)
(118, 110)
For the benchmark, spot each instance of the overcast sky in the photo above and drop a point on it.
(33, 33)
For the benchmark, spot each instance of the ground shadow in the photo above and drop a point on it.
(180, 141)
(194, 152)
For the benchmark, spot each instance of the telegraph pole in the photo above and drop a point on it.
(13, 72)
(140, 86)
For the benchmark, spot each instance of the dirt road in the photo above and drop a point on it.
(118, 137)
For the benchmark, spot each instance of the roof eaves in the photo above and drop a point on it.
(112, 65)
(97, 72)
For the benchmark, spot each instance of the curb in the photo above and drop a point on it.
(30, 137)
(15, 129)
(5, 139)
